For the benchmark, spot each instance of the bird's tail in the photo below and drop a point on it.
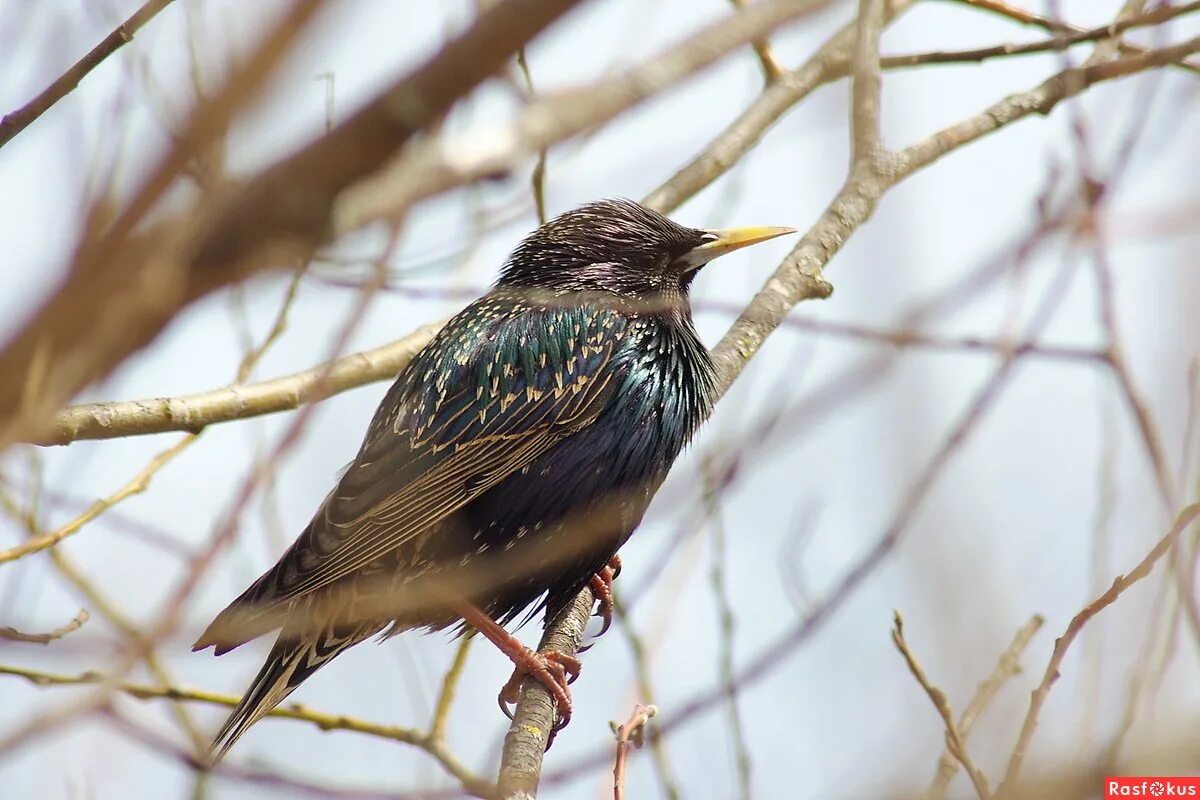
(291, 661)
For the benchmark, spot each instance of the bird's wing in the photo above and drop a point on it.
(480, 402)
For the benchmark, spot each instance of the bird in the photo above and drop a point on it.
(507, 464)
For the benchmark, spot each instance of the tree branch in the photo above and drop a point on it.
(766, 54)
(16, 121)
(1064, 41)
(14, 635)
(865, 87)
(533, 720)
(830, 62)
(800, 277)
(296, 711)
(439, 165)
(1025, 17)
(1037, 699)
(631, 733)
(955, 740)
(127, 283)
(197, 411)
(1008, 666)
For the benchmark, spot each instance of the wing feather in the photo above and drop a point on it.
(464, 415)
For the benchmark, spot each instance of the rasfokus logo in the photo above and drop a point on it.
(1144, 786)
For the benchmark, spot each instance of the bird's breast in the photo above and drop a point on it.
(664, 379)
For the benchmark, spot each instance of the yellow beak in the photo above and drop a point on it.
(726, 241)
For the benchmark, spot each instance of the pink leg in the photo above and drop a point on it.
(552, 669)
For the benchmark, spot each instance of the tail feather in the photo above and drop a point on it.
(274, 682)
(291, 661)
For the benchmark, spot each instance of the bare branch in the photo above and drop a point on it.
(1064, 41)
(829, 63)
(630, 733)
(136, 485)
(1007, 667)
(1025, 17)
(865, 86)
(197, 411)
(533, 720)
(145, 278)
(14, 635)
(15, 122)
(766, 54)
(438, 166)
(295, 711)
(1122, 582)
(954, 738)
(441, 712)
(800, 277)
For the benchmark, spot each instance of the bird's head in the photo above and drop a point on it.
(621, 247)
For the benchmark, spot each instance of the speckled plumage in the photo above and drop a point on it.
(509, 461)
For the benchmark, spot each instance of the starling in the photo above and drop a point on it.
(507, 464)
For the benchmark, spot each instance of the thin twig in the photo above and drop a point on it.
(954, 738)
(726, 628)
(668, 785)
(445, 699)
(14, 635)
(766, 55)
(1026, 17)
(101, 604)
(276, 782)
(631, 733)
(138, 484)
(1067, 38)
(294, 711)
(1008, 666)
(1008, 786)
(537, 178)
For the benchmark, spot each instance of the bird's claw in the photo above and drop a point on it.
(554, 670)
(601, 584)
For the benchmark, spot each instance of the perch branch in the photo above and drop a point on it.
(534, 717)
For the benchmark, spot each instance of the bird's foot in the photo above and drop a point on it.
(554, 670)
(602, 583)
